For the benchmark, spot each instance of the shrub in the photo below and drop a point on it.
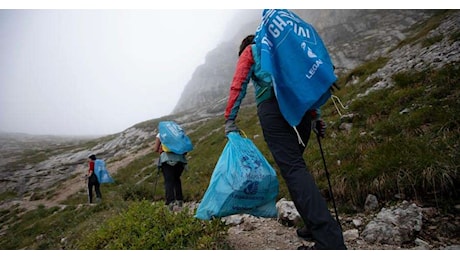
(152, 226)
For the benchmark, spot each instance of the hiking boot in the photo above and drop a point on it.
(305, 233)
(180, 203)
(98, 200)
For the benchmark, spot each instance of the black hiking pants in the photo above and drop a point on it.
(92, 181)
(283, 143)
(173, 184)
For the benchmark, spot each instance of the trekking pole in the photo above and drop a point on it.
(156, 180)
(85, 183)
(328, 180)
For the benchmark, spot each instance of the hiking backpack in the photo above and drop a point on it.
(173, 138)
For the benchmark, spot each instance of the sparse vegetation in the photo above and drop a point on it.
(424, 28)
(152, 226)
(404, 142)
(363, 70)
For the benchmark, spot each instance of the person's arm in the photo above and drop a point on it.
(239, 83)
(156, 145)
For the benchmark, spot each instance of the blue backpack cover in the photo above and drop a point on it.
(294, 54)
(243, 181)
(173, 138)
(101, 172)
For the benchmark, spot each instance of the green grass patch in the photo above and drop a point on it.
(147, 226)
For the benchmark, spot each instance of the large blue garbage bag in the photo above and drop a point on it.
(101, 172)
(243, 181)
(173, 138)
(295, 55)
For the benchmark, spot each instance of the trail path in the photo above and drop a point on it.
(70, 186)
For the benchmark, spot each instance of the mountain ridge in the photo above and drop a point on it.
(44, 176)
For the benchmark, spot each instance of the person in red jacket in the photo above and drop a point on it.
(93, 181)
(283, 142)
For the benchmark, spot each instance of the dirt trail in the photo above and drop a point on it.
(71, 186)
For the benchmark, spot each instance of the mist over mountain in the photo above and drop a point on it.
(352, 37)
(396, 142)
(210, 81)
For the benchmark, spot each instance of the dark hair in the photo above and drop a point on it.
(92, 157)
(246, 41)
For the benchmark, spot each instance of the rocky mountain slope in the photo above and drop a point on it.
(30, 168)
(352, 37)
(207, 100)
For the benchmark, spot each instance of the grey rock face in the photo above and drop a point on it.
(394, 226)
(62, 166)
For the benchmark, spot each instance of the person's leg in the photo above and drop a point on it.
(288, 154)
(178, 169)
(98, 190)
(168, 174)
(90, 191)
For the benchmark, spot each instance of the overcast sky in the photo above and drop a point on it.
(92, 72)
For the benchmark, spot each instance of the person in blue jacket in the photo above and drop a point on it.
(282, 140)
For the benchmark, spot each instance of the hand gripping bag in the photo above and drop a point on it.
(242, 182)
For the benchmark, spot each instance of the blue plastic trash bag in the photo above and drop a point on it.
(242, 182)
(101, 172)
(173, 138)
(293, 52)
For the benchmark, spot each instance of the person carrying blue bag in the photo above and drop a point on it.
(97, 175)
(172, 144)
(93, 180)
(292, 75)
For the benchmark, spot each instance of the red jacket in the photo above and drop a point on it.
(239, 83)
(249, 68)
(91, 167)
